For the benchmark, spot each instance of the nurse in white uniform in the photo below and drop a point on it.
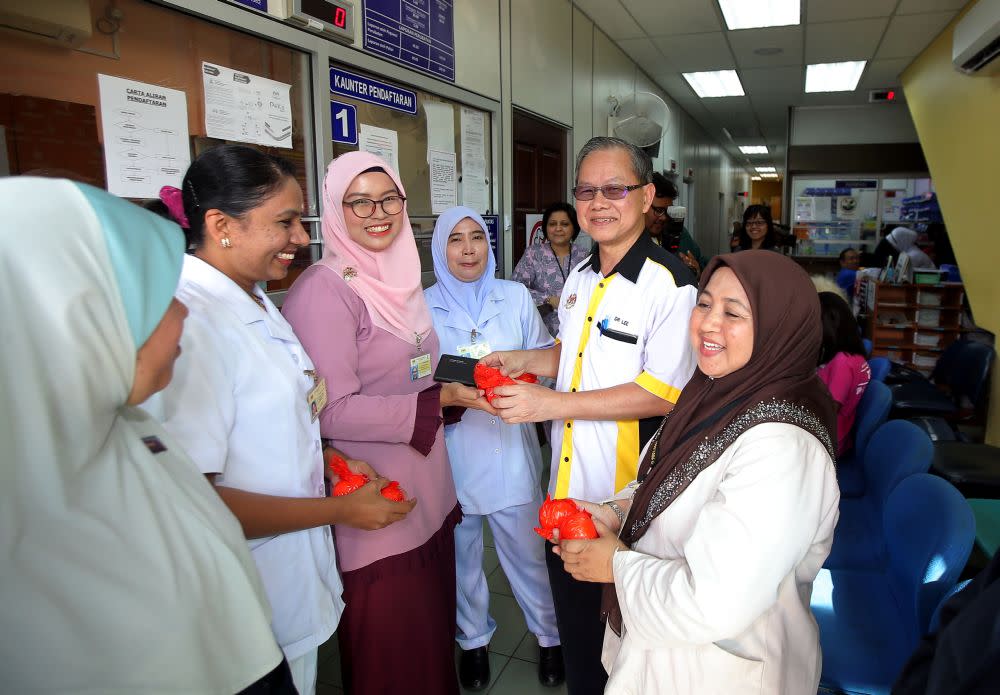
(245, 399)
(496, 466)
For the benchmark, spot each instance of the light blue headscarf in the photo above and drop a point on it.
(468, 297)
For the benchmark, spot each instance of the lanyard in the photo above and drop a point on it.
(569, 261)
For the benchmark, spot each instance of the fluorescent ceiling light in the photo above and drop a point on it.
(765, 170)
(834, 77)
(721, 83)
(753, 149)
(749, 14)
(770, 176)
(755, 178)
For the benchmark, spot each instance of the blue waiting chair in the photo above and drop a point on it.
(880, 367)
(871, 620)
(897, 450)
(873, 409)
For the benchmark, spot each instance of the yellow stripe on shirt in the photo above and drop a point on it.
(658, 388)
(566, 453)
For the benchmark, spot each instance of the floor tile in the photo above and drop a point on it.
(497, 663)
(511, 627)
(521, 678)
(328, 671)
(528, 649)
(498, 582)
(491, 560)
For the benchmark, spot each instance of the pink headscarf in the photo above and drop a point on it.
(387, 281)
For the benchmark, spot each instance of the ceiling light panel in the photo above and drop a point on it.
(834, 77)
(769, 176)
(753, 149)
(750, 14)
(721, 83)
(765, 170)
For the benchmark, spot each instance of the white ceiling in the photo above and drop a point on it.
(668, 38)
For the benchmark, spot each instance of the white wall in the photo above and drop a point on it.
(852, 125)
(546, 57)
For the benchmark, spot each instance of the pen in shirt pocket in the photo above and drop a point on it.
(602, 326)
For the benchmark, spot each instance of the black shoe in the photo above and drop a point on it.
(474, 668)
(551, 671)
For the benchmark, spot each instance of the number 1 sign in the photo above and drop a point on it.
(345, 123)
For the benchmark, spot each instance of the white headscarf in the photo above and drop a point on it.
(904, 240)
(120, 568)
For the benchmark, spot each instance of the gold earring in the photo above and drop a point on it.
(225, 242)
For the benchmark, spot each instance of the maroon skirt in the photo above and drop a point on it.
(397, 633)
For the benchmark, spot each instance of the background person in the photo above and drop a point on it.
(657, 220)
(496, 466)
(850, 261)
(901, 240)
(361, 314)
(758, 230)
(120, 569)
(544, 267)
(707, 590)
(842, 364)
(620, 364)
(241, 402)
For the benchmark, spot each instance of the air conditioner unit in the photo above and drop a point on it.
(64, 23)
(976, 40)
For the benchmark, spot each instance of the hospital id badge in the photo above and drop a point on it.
(317, 399)
(420, 367)
(476, 351)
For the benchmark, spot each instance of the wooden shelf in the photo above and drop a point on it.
(900, 301)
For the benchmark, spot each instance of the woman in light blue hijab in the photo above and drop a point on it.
(120, 568)
(496, 466)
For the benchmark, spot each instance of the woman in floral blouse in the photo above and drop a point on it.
(544, 267)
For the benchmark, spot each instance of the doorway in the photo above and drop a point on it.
(539, 172)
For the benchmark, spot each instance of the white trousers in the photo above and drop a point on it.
(522, 556)
(304, 672)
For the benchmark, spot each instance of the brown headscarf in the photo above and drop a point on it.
(777, 384)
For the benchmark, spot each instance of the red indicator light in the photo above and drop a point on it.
(891, 95)
(340, 21)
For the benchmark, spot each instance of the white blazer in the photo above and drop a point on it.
(715, 596)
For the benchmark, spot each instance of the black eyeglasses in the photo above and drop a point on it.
(365, 207)
(658, 211)
(612, 191)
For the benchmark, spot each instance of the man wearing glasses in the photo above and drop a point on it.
(656, 221)
(620, 364)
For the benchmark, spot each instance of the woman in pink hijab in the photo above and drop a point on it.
(360, 314)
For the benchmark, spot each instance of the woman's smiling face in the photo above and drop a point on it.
(721, 327)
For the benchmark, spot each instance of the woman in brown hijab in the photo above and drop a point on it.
(707, 588)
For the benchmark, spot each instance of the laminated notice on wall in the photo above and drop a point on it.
(381, 142)
(246, 108)
(145, 136)
(444, 188)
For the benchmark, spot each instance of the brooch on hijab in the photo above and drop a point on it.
(350, 273)
(571, 301)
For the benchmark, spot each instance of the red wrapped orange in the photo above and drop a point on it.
(488, 378)
(564, 515)
(351, 481)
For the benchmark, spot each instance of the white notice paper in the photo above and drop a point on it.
(805, 209)
(440, 127)
(444, 193)
(145, 136)
(475, 185)
(246, 108)
(381, 142)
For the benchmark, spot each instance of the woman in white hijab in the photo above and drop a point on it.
(903, 240)
(121, 571)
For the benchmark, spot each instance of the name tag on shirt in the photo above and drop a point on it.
(420, 367)
(476, 351)
(317, 398)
